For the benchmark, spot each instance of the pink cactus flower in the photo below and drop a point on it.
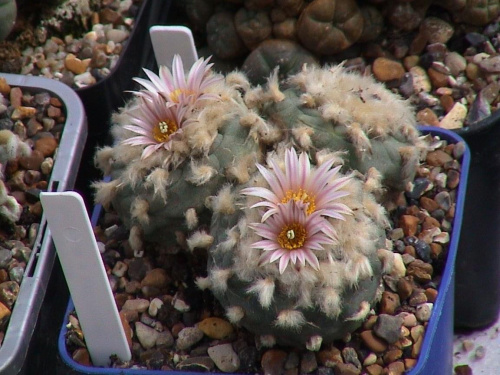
(292, 236)
(175, 87)
(157, 125)
(317, 188)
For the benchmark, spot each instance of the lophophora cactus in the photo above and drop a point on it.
(211, 162)
(299, 263)
(332, 109)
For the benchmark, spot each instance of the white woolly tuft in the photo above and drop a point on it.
(250, 119)
(264, 288)
(335, 113)
(255, 98)
(159, 179)
(386, 257)
(199, 239)
(330, 302)
(200, 173)
(232, 239)
(361, 314)
(135, 241)
(223, 202)
(264, 132)
(265, 341)
(235, 314)
(203, 283)
(191, 218)
(292, 319)
(308, 100)
(359, 139)
(302, 135)
(274, 87)
(219, 278)
(139, 210)
(359, 268)
(409, 160)
(373, 181)
(200, 140)
(238, 80)
(325, 155)
(104, 159)
(105, 192)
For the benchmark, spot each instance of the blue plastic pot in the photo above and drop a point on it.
(436, 356)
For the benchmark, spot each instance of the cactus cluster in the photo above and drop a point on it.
(11, 147)
(8, 14)
(282, 184)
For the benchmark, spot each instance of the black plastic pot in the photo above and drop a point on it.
(477, 279)
(106, 96)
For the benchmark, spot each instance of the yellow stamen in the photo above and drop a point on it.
(163, 130)
(174, 95)
(301, 195)
(292, 236)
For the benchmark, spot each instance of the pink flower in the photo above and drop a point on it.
(175, 87)
(291, 235)
(158, 124)
(316, 188)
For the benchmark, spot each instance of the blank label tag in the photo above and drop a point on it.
(86, 276)
(171, 40)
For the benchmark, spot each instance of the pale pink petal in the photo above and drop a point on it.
(284, 260)
(312, 259)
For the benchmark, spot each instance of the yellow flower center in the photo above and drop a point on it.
(174, 95)
(292, 236)
(301, 195)
(163, 130)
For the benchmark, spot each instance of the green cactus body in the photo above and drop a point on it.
(340, 111)
(154, 195)
(301, 307)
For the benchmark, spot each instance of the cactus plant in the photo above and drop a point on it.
(11, 147)
(299, 265)
(183, 142)
(332, 109)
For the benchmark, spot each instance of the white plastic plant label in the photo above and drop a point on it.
(86, 276)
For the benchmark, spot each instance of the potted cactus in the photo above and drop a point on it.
(41, 142)
(281, 198)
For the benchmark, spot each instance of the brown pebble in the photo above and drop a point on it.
(417, 346)
(430, 223)
(347, 369)
(16, 97)
(126, 328)
(372, 342)
(216, 328)
(453, 179)
(389, 303)
(436, 250)
(374, 369)
(4, 313)
(75, 65)
(4, 86)
(82, 357)
(438, 158)
(428, 204)
(405, 288)
(33, 161)
(273, 361)
(176, 328)
(417, 298)
(438, 79)
(46, 146)
(22, 112)
(330, 357)
(409, 224)
(156, 278)
(392, 355)
(447, 102)
(427, 116)
(420, 270)
(385, 69)
(396, 368)
(36, 209)
(431, 294)
(108, 15)
(55, 101)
